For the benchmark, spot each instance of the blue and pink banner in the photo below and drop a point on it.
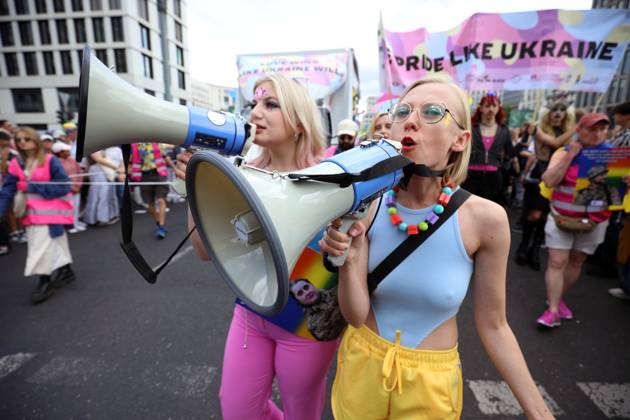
(322, 72)
(576, 50)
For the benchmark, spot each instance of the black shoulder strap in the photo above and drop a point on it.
(403, 250)
(126, 223)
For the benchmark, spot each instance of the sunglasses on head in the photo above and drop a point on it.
(23, 139)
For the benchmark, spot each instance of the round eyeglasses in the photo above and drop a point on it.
(430, 113)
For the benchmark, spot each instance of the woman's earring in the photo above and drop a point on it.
(296, 136)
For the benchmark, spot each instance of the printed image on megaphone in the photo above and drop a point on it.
(255, 224)
(114, 112)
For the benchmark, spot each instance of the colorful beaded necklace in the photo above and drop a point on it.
(431, 218)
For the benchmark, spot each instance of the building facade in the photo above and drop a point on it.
(143, 41)
(209, 96)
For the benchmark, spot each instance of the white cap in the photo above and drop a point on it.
(45, 137)
(348, 127)
(60, 146)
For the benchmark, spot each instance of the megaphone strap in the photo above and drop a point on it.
(345, 179)
(126, 223)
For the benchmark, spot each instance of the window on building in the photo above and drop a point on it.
(6, 33)
(79, 31)
(143, 9)
(625, 64)
(30, 62)
(44, 32)
(180, 56)
(4, 7)
(182, 101)
(80, 55)
(68, 99)
(21, 7)
(114, 4)
(145, 37)
(120, 60)
(181, 79)
(117, 29)
(66, 62)
(62, 31)
(11, 61)
(102, 55)
(178, 32)
(99, 29)
(77, 5)
(96, 5)
(27, 100)
(26, 34)
(49, 62)
(177, 8)
(150, 92)
(622, 94)
(59, 6)
(40, 6)
(147, 63)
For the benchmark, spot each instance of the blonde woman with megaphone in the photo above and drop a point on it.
(290, 136)
(398, 356)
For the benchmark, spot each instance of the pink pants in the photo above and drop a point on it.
(256, 351)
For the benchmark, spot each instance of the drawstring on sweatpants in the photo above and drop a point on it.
(392, 357)
(246, 329)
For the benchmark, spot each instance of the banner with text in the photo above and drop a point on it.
(322, 72)
(575, 50)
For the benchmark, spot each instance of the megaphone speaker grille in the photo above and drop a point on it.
(237, 232)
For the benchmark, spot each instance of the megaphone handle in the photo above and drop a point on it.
(346, 222)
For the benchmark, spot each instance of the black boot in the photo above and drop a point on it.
(64, 276)
(523, 248)
(534, 251)
(43, 291)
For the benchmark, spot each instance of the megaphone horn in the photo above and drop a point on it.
(255, 224)
(114, 112)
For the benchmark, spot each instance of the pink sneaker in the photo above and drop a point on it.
(549, 319)
(564, 311)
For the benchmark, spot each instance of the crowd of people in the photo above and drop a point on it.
(401, 336)
(46, 194)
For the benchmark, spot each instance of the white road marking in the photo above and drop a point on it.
(13, 362)
(495, 397)
(612, 399)
(71, 371)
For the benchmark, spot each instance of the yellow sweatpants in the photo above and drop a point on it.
(378, 379)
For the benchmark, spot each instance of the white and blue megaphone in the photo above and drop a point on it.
(113, 112)
(255, 223)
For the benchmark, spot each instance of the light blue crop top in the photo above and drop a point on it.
(428, 287)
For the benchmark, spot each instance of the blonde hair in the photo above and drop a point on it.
(373, 124)
(567, 122)
(31, 133)
(298, 111)
(457, 167)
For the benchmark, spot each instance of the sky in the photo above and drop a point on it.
(217, 34)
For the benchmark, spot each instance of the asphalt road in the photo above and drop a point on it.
(111, 345)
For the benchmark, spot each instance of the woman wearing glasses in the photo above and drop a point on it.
(46, 209)
(556, 130)
(491, 150)
(398, 358)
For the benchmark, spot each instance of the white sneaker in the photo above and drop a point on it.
(619, 293)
